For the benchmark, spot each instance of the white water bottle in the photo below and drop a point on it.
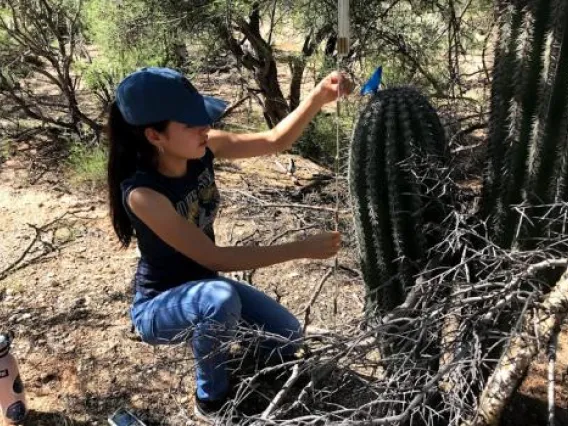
(12, 395)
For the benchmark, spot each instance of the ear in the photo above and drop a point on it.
(153, 136)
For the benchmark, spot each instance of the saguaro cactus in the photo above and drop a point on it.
(527, 149)
(398, 139)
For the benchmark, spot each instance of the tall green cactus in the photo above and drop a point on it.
(528, 126)
(510, 17)
(397, 134)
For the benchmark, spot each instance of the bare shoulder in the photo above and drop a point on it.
(142, 199)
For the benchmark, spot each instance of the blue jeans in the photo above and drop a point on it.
(208, 311)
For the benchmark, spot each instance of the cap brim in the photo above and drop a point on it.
(205, 111)
(215, 108)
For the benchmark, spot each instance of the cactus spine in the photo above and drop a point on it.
(397, 129)
(528, 116)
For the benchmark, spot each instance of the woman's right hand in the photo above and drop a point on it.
(321, 246)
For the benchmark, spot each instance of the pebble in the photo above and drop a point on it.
(81, 301)
(63, 235)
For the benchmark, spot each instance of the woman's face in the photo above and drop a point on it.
(181, 140)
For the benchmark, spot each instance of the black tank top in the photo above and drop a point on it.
(196, 198)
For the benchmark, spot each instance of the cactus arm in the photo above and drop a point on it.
(510, 18)
(550, 139)
(523, 110)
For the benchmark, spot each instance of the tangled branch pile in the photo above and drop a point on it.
(453, 352)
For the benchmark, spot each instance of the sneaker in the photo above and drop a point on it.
(209, 412)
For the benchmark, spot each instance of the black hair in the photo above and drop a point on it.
(128, 150)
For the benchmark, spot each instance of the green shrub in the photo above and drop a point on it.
(319, 141)
(128, 35)
(87, 165)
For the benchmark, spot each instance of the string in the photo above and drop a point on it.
(342, 50)
(337, 170)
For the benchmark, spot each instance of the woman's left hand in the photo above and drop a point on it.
(327, 90)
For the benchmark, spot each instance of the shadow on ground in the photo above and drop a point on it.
(525, 410)
(39, 418)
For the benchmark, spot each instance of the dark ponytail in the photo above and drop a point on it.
(128, 150)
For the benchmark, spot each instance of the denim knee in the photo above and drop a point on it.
(296, 329)
(220, 301)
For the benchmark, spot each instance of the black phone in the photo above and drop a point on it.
(123, 417)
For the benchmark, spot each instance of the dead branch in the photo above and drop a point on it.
(13, 266)
(290, 231)
(306, 311)
(520, 353)
(280, 395)
(551, 367)
(529, 272)
(39, 231)
(466, 131)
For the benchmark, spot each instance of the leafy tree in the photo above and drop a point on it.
(127, 35)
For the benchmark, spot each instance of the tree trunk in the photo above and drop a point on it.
(297, 67)
(256, 55)
(275, 106)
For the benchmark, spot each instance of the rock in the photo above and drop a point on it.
(135, 399)
(63, 235)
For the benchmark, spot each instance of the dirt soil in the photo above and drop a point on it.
(67, 299)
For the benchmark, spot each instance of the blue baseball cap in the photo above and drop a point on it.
(154, 94)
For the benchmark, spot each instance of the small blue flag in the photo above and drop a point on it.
(372, 85)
